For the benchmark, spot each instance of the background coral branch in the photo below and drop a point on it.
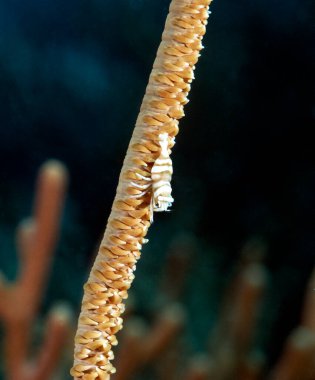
(19, 301)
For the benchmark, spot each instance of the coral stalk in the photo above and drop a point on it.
(297, 360)
(143, 187)
(19, 302)
(142, 346)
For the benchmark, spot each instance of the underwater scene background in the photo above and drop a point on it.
(72, 76)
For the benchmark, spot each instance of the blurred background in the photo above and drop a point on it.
(72, 76)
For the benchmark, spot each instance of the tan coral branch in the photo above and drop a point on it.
(36, 242)
(131, 215)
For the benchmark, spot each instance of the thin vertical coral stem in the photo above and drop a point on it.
(297, 360)
(36, 241)
(58, 330)
(49, 201)
(112, 272)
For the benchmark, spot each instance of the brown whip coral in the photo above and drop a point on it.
(144, 187)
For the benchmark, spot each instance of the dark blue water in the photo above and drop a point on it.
(72, 76)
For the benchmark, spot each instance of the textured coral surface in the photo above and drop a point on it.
(162, 106)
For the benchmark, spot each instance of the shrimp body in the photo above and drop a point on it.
(161, 175)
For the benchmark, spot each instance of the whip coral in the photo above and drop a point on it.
(144, 187)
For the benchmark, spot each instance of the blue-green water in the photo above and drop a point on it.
(72, 76)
